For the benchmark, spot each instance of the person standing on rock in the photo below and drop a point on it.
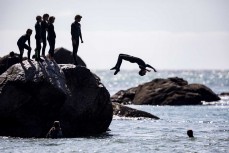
(44, 28)
(51, 37)
(132, 59)
(55, 132)
(38, 38)
(76, 35)
(22, 44)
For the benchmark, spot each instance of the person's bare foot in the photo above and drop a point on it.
(117, 70)
(114, 68)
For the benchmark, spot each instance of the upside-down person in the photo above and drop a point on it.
(142, 65)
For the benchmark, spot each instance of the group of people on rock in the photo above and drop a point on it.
(45, 25)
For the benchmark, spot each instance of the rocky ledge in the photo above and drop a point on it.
(124, 111)
(34, 94)
(171, 91)
(224, 94)
(61, 56)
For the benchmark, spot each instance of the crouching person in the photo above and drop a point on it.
(55, 132)
(22, 44)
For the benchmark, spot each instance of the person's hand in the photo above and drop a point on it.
(81, 41)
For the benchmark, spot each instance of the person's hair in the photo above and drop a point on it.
(38, 17)
(142, 72)
(190, 133)
(45, 15)
(51, 19)
(29, 31)
(78, 16)
(12, 54)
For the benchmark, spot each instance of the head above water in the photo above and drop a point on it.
(56, 124)
(190, 133)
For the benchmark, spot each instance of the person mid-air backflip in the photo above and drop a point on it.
(132, 59)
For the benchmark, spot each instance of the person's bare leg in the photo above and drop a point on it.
(118, 64)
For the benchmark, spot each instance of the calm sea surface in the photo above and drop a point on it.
(210, 122)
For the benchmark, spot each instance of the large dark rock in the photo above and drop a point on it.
(64, 56)
(33, 95)
(171, 91)
(224, 94)
(124, 111)
(88, 109)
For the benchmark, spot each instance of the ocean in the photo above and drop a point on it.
(209, 122)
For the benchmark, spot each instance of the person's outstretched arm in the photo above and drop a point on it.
(144, 68)
(147, 65)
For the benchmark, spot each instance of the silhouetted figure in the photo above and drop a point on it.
(44, 28)
(76, 35)
(55, 132)
(132, 59)
(51, 37)
(38, 38)
(12, 59)
(22, 44)
(190, 133)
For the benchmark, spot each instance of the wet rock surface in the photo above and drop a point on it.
(34, 94)
(171, 91)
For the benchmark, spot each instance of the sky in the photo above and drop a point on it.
(167, 34)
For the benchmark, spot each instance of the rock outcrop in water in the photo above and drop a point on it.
(124, 111)
(171, 91)
(224, 94)
(34, 94)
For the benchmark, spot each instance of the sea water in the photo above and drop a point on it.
(209, 122)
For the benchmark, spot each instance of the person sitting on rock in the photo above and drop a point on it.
(132, 59)
(21, 43)
(55, 132)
